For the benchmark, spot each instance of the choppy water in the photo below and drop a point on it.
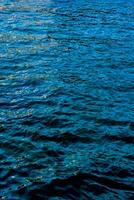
(67, 99)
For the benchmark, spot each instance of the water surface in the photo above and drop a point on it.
(66, 99)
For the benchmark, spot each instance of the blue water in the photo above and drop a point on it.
(66, 100)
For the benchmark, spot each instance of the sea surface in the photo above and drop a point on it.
(66, 100)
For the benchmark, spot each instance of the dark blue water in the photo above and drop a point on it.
(66, 100)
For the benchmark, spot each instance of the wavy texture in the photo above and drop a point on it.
(66, 100)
